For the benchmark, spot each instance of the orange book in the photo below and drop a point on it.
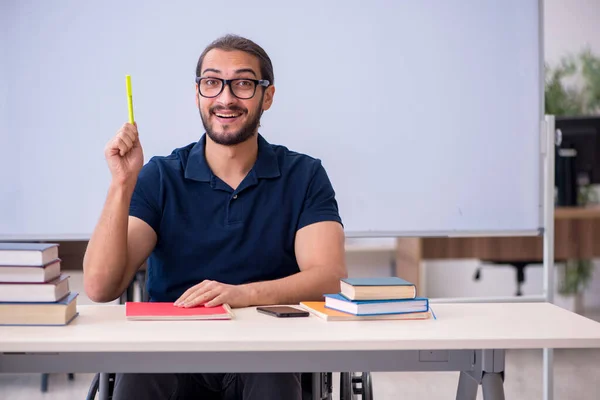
(156, 311)
(318, 309)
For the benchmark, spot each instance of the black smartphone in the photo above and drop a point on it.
(282, 311)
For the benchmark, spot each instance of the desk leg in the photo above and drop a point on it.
(492, 378)
(493, 386)
(467, 387)
(103, 387)
(487, 371)
(548, 374)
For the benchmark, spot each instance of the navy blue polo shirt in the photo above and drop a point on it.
(207, 230)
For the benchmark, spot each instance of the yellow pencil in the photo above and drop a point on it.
(129, 98)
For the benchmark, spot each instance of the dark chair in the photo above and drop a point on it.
(519, 267)
(315, 386)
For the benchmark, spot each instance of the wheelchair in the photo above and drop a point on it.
(315, 386)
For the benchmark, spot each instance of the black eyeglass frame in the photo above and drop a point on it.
(228, 82)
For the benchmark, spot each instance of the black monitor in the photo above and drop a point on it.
(577, 156)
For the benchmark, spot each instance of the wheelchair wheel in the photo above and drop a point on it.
(367, 386)
(346, 392)
(362, 385)
(94, 386)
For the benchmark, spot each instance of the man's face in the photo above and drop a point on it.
(227, 119)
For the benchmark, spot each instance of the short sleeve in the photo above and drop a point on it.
(320, 203)
(145, 200)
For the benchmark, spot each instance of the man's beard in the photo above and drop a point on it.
(232, 138)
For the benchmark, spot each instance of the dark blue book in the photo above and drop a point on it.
(385, 288)
(376, 307)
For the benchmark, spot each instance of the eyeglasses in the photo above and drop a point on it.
(243, 88)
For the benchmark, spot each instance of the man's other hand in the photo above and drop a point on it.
(212, 294)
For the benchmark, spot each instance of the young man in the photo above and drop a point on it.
(228, 219)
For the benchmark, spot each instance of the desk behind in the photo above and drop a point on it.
(576, 236)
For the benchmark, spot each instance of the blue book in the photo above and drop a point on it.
(376, 307)
(385, 288)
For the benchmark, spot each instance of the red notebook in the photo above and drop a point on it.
(155, 311)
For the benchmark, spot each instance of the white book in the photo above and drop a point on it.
(35, 292)
(27, 254)
(376, 307)
(23, 274)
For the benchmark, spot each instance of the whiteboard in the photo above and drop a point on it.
(426, 114)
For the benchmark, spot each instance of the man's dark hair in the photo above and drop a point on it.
(235, 42)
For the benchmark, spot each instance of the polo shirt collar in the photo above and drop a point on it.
(266, 165)
(197, 168)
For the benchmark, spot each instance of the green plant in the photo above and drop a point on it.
(573, 89)
(587, 195)
(576, 276)
(590, 70)
(561, 100)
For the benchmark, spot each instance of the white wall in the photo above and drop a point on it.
(8, 141)
(570, 26)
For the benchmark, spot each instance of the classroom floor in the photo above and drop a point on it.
(577, 376)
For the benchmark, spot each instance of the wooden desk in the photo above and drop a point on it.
(576, 236)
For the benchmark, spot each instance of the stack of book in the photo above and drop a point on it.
(33, 290)
(372, 299)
